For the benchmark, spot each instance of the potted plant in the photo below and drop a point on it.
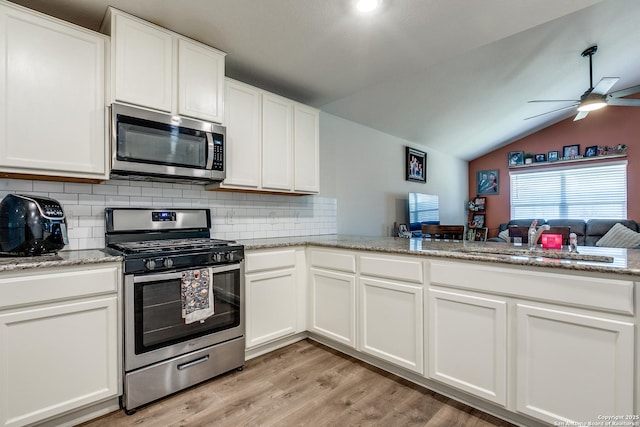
(528, 158)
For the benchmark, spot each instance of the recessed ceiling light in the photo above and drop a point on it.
(366, 6)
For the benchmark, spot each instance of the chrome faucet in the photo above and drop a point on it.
(534, 235)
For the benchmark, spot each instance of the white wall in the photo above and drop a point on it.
(363, 169)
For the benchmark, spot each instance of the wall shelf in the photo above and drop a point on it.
(574, 160)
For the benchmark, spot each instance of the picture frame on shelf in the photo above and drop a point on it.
(571, 151)
(540, 158)
(477, 221)
(591, 151)
(403, 231)
(481, 234)
(416, 165)
(552, 156)
(516, 158)
(480, 203)
(487, 182)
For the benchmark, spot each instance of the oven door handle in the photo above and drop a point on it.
(178, 274)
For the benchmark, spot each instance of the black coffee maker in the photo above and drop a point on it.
(31, 225)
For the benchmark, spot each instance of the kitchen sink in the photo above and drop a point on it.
(536, 253)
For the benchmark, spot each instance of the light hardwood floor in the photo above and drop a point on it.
(304, 384)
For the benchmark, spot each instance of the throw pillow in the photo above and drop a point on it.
(504, 235)
(619, 236)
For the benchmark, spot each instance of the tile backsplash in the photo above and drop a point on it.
(234, 215)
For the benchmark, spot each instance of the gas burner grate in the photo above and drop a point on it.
(170, 245)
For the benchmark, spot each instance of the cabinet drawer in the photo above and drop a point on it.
(392, 268)
(334, 260)
(56, 284)
(271, 260)
(593, 292)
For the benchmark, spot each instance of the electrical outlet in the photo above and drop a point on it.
(230, 217)
(296, 218)
(72, 220)
(273, 218)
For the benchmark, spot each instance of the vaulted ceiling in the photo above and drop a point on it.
(451, 75)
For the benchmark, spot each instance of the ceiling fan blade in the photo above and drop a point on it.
(624, 102)
(554, 100)
(604, 85)
(552, 111)
(624, 92)
(581, 115)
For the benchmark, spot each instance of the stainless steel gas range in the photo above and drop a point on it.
(174, 271)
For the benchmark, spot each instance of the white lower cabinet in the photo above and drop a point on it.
(391, 322)
(332, 310)
(59, 342)
(273, 295)
(573, 367)
(468, 343)
(271, 303)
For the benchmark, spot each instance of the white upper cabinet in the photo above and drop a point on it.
(142, 63)
(243, 119)
(156, 68)
(277, 143)
(306, 149)
(52, 97)
(200, 81)
(272, 142)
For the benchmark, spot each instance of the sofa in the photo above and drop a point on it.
(588, 232)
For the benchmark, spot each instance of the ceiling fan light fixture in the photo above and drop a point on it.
(592, 104)
(367, 6)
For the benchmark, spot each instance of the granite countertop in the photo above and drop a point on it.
(61, 259)
(624, 261)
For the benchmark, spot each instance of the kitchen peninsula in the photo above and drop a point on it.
(535, 339)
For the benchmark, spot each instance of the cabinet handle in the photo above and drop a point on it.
(193, 362)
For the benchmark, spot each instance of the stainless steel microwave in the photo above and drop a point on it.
(152, 145)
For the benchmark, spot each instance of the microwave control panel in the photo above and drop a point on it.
(218, 155)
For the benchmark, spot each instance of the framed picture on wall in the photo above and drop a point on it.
(516, 158)
(569, 151)
(591, 151)
(552, 156)
(416, 165)
(487, 182)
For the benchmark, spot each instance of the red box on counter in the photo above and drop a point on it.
(551, 241)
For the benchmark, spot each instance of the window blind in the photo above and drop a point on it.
(577, 192)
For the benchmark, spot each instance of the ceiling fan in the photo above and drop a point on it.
(596, 97)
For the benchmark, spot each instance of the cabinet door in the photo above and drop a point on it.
(57, 358)
(242, 112)
(468, 343)
(200, 81)
(333, 306)
(143, 55)
(277, 143)
(391, 322)
(306, 149)
(52, 114)
(271, 302)
(573, 367)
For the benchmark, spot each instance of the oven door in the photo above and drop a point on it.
(154, 327)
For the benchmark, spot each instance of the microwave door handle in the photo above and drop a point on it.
(209, 165)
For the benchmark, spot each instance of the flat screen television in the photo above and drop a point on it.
(423, 209)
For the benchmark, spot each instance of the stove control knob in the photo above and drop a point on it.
(216, 257)
(229, 256)
(168, 262)
(150, 264)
